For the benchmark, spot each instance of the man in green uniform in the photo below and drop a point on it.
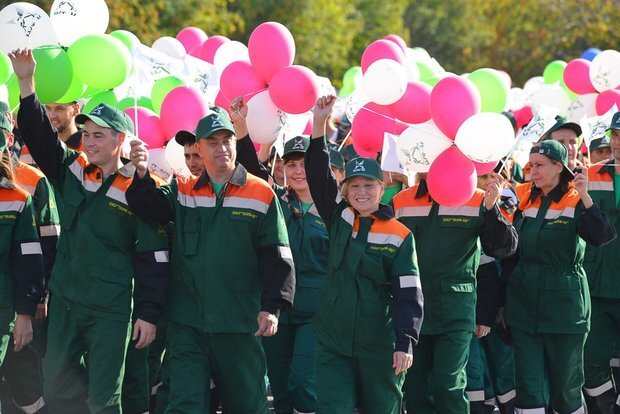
(231, 262)
(103, 247)
(602, 264)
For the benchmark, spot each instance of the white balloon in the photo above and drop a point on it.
(582, 106)
(158, 165)
(170, 47)
(533, 85)
(4, 93)
(413, 73)
(228, 53)
(176, 158)
(73, 19)
(605, 70)
(264, 119)
(25, 25)
(485, 137)
(419, 145)
(517, 99)
(385, 81)
(553, 96)
(417, 54)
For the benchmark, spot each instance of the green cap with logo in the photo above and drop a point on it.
(216, 120)
(561, 123)
(336, 159)
(599, 143)
(363, 167)
(5, 124)
(108, 117)
(297, 145)
(557, 152)
(615, 121)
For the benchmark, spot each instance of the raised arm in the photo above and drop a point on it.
(246, 154)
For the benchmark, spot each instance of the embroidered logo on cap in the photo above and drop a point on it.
(97, 111)
(216, 123)
(359, 166)
(299, 144)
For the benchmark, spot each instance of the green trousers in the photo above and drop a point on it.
(556, 358)
(236, 360)
(600, 349)
(344, 383)
(136, 390)
(70, 386)
(479, 388)
(501, 362)
(290, 365)
(437, 380)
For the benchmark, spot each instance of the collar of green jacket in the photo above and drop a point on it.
(608, 168)
(384, 212)
(128, 170)
(238, 178)
(422, 189)
(556, 194)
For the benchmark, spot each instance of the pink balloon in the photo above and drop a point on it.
(210, 46)
(240, 79)
(369, 126)
(577, 76)
(452, 178)
(453, 100)
(398, 40)
(414, 106)
(222, 101)
(148, 126)
(195, 52)
(382, 49)
(182, 108)
(294, 89)
(485, 168)
(190, 37)
(271, 48)
(606, 100)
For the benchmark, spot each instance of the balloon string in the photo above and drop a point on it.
(344, 141)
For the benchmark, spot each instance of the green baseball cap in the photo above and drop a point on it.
(561, 123)
(297, 145)
(557, 152)
(6, 125)
(216, 120)
(363, 167)
(615, 121)
(599, 143)
(349, 153)
(107, 117)
(336, 159)
(4, 107)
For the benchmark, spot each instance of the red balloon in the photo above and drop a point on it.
(414, 106)
(195, 52)
(294, 89)
(210, 46)
(398, 40)
(453, 100)
(577, 76)
(222, 101)
(148, 127)
(523, 116)
(190, 37)
(271, 48)
(485, 168)
(182, 108)
(606, 100)
(369, 126)
(452, 178)
(240, 79)
(382, 49)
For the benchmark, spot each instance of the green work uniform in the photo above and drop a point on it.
(548, 300)
(103, 247)
(601, 265)
(371, 304)
(227, 250)
(448, 241)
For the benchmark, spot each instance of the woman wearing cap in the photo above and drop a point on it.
(370, 311)
(548, 302)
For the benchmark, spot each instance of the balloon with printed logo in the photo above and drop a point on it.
(382, 49)
(271, 47)
(190, 37)
(158, 165)
(53, 73)
(6, 68)
(182, 108)
(73, 19)
(161, 88)
(175, 158)
(170, 47)
(369, 126)
(385, 81)
(148, 126)
(106, 97)
(100, 61)
(453, 100)
(210, 46)
(24, 25)
(294, 89)
(414, 106)
(240, 79)
(485, 137)
(452, 178)
(605, 70)
(553, 71)
(577, 76)
(582, 106)
(129, 39)
(419, 145)
(493, 88)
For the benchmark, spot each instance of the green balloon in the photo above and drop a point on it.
(345, 91)
(433, 80)
(53, 73)
(129, 102)
(426, 70)
(161, 88)
(6, 69)
(76, 91)
(129, 39)
(351, 75)
(101, 61)
(90, 92)
(106, 97)
(553, 71)
(494, 91)
(13, 87)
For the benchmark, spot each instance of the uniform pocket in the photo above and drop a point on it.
(70, 209)
(191, 233)
(458, 300)
(564, 301)
(110, 291)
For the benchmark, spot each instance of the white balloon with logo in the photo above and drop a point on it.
(175, 158)
(170, 47)
(605, 70)
(419, 145)
(25, 25)
(158, 165)
(73, 19)
(582, 106)
(485, 137)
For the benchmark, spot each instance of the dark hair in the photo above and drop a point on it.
(293, 156)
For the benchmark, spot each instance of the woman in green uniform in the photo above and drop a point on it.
(370, 311)
(548, 301)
